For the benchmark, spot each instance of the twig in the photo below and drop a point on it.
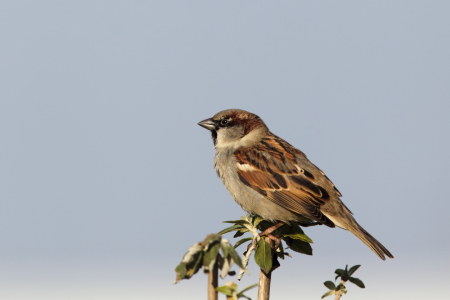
(213, 282)
(265, 279)
(247, 255)
(339, 293)
(250, 248)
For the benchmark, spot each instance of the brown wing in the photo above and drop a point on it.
(270, 168)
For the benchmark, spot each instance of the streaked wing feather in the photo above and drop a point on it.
(271, 170)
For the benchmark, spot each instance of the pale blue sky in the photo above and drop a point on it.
(106, 179)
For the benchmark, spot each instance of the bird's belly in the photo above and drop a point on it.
(251, 201)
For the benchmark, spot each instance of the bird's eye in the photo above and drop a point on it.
(223, 122)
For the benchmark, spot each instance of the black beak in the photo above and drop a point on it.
(208, 124)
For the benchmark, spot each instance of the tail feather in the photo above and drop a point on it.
(370, 241)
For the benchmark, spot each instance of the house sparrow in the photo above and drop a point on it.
(270, 178)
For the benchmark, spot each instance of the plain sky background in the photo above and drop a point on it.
(106, 179)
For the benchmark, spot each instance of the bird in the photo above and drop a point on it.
(270, 178)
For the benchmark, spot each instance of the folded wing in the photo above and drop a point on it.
(271, 170)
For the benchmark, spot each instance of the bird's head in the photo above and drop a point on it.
(234, 128)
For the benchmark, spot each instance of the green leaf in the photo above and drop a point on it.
(299, 236)
(353, 269)
(242, 241)
(247, 288)
(263, 256)
(194, 265)
(237, 222)
(225, 290)
(330, 285)
(238, 234)
(339, 272)
(181, 271)
(227, 262)
(225, 249)
(231, 228)
(191, 262)
(228, 250)
(328, 294)
(357, 282)
(210, 255)
(236, 258)
(299, 246)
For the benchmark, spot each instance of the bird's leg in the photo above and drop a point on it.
(271, 229)
(268, 233)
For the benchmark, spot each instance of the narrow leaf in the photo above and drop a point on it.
(225, 249)
(181, 271)
(225, 290)
(357, 281)
(339, 272)
(210, 256)
(328, 294)
(227, 262)
(330, 285)
(233, 254)
(263, 256)
(231, 228)
(238, 234)
(240, 242)
(247, 288)
(239, 222)
(353, 269)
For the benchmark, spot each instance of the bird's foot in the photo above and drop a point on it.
(275, 239)
(268, 233)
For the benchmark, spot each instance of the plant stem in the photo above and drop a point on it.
(338, 294)
(265, 279)
(230, 284)
(247, 255)
(212, 282)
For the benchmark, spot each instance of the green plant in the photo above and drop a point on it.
(266, 257)
(345, 275)
(207, 254)
(231, 291)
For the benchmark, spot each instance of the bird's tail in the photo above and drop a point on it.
(370, 241)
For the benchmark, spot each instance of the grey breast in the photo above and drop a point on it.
(251, 201)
